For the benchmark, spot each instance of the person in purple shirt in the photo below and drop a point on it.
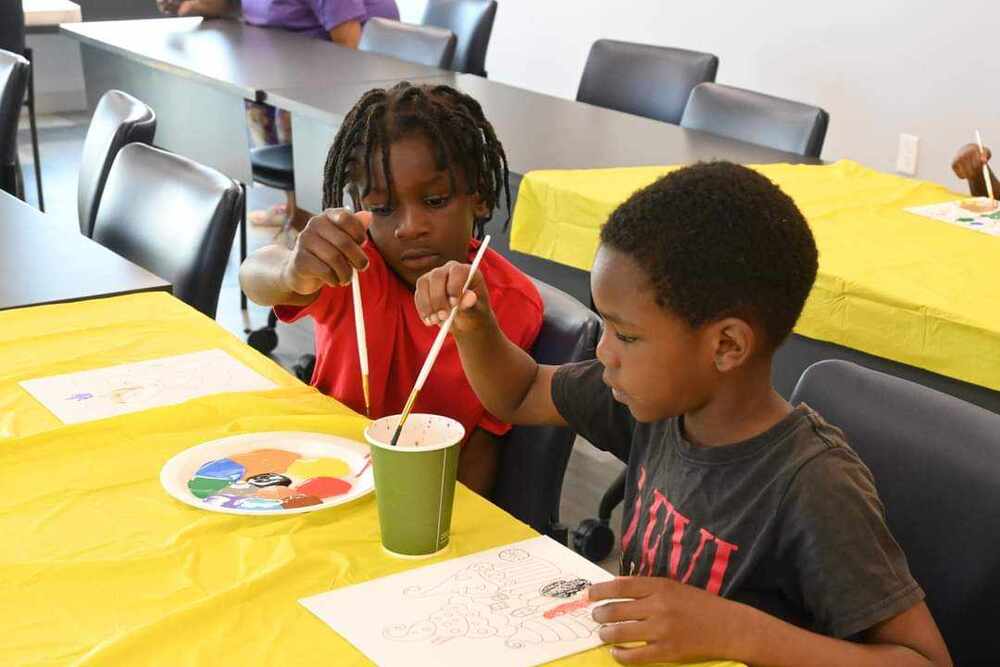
(340, 21)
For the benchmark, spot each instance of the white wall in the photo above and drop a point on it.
(880, 67)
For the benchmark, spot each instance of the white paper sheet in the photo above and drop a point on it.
(953, 213)
(495, 608)
(117, 390)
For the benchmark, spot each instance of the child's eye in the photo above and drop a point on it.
(626, 339)
(380, 211)
(436, 202)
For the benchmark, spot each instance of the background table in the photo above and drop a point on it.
(891, 284)
(102, 567)
(41, 262)
(538, 132)
(46, 15)
(195, 74)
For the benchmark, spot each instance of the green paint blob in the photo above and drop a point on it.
(203, 487)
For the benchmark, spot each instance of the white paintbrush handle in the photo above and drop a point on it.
(443, 332)
(986, 170)
(359, 321)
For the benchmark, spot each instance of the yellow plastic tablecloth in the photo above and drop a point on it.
(891, 283)
(101, 567)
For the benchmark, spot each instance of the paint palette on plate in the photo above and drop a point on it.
(270, 473)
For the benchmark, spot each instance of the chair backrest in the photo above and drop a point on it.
(936, 462)
(13, 84)
(424, 45)
(472, 23)
(533, 458)
(173, 217)
(757, 118)
(119, 119)
(12, 26)
(650, 81)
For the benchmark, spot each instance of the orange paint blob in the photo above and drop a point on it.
(264, 460)
(324, 487)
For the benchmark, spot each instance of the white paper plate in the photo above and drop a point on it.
(309, 447)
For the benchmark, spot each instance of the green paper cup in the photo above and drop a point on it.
(415, 481)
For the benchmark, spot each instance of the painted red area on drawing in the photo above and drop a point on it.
(566, 608)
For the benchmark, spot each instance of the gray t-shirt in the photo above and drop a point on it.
(788, 521)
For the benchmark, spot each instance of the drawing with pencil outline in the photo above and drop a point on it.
(514, 596)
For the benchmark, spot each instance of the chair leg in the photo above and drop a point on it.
(34, 130)
(243, 246)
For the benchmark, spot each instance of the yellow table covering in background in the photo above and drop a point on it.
(891, 283)
(101, 567)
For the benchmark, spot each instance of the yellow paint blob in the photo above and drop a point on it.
(325, 467)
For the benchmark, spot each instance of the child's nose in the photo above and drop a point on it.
(413, 224)
(603, 354)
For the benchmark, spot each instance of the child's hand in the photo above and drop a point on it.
(677, 622)
(438, 290)
(327, 250)
(968, 162)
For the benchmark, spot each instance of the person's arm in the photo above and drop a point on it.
(509, 383)
(682, 623)
(347, 34)
(206, 8)
(324, 253)
(968, 165)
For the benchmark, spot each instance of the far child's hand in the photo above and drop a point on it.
(327, 250)
(439, 290)
(676, 621)
(968, 162)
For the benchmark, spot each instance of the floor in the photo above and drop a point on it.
(61, 137)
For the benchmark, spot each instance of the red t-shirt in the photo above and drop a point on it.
(398, 341)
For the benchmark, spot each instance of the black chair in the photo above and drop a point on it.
(472, 23)
(118, 120)
(757, 118)
(421, 44)
(12, 38)
(173, 217)
(533, 458)
(650, 81)
(936, 463)
(13, 82)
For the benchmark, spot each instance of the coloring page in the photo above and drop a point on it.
(521, 604)
(117, 390)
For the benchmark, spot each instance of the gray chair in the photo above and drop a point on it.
(118, 120)
(650, 81)
(12, 38)
(173, 217)
(533, 458)
(472, 23)
(14, 71)
(757, 118)
(936, 463)
(424, 45)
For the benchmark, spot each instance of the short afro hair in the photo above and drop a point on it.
(720, 240)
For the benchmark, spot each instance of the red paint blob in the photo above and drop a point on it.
(567, 607)
(324, 487)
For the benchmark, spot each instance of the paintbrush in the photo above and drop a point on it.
(986, 169)
(425, 370)
(359, 330)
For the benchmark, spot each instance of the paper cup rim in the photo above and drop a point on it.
(375, 442)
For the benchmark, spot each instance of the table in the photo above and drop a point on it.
(213, 65)
(891, 284)
(41, 262)
(46, 15)
(101, 567)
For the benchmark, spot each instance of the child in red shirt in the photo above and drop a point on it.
(427, 169)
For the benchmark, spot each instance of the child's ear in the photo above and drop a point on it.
(734, 341)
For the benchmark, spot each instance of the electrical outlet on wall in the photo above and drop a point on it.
(906, 159)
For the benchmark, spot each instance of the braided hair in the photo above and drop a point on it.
(452, 121)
